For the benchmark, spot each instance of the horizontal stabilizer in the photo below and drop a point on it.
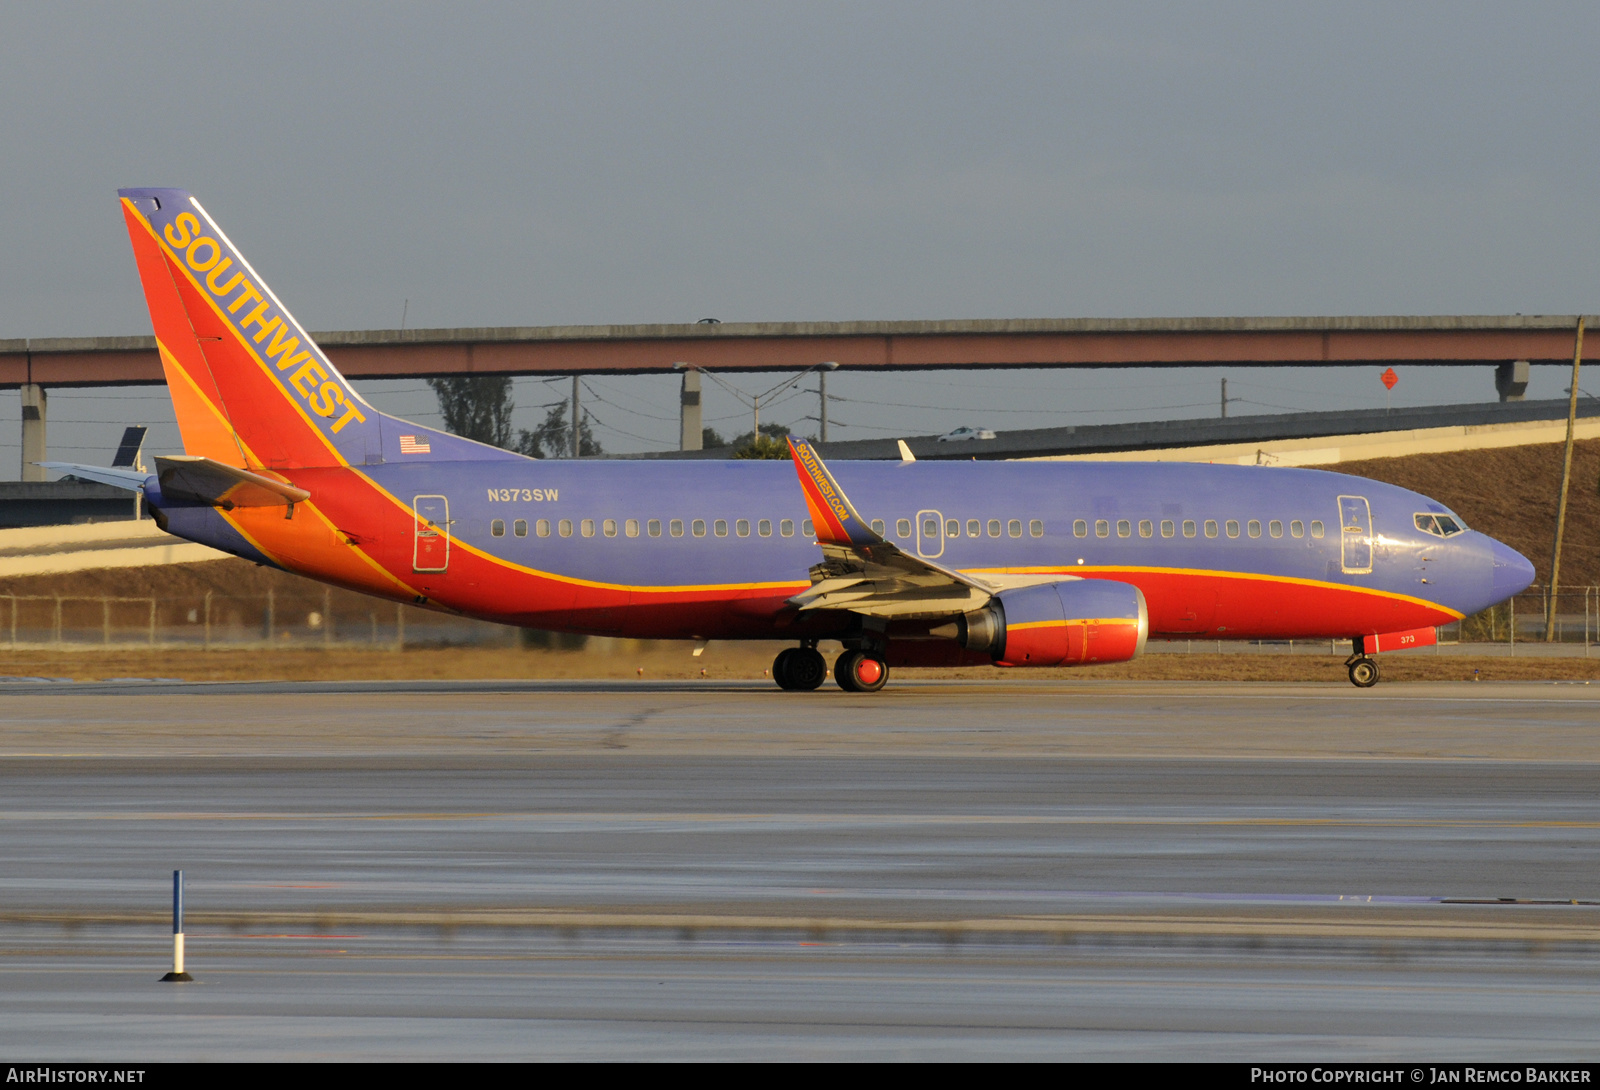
(204, 480)
(131, 479)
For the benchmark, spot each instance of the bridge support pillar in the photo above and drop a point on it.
(1511, 379)
(690, 429)
(33, 449)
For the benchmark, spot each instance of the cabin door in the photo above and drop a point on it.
(1355, 535)
(930, 534)
(431, 548)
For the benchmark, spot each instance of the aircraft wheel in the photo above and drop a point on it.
(1364, 673)
(780, 667)
(799, 668)
(860, 672)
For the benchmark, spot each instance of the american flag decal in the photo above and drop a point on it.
(409, 445)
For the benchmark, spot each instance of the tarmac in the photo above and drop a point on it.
(475, 870)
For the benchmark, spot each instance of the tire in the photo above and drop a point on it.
(804, 669)
(1364, 673)
(860, 672)
(780, 667)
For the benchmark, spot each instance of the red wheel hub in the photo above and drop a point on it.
(868, 671)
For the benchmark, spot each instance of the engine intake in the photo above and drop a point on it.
(1070, 622)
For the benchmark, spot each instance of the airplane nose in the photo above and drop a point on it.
(1512, 571)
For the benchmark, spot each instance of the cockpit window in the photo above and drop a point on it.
(1438, 525)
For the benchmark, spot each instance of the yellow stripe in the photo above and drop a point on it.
(1320, 584)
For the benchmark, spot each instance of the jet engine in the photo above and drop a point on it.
(1065, 623)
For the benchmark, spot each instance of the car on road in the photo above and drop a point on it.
(966, 433)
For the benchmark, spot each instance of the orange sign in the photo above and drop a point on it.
(1389, 378)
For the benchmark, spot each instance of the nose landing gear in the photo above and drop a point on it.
(1363, 670)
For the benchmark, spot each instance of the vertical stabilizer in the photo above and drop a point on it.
(249, 386)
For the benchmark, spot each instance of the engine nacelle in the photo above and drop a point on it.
(1066, 623)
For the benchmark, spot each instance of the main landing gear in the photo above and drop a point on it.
(1363, 670)
(804, 668)
(860, 672)
(799, 667)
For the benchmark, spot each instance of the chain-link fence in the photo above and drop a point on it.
(329, 619)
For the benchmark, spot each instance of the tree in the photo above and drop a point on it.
(710, 440)
(476, 406)
(769, 444)
(553, 438)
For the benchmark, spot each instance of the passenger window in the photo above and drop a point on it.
(1035, 528)
(902, 528)
(720, 527)
(1167, 528)
(675, 527)
(586, 527)
(609, 527)
(742, 527)
(974, 528)
(1316, 527)
(1014, 527)
(631, 527)
(764, 527)
(786, 527)
(565, 527)
(1124, 528)
(1275, 528)
(520, 527)
(1297, 529)
(1102, 528)
(994, 528)
(698, 527)
(1253, 528)
(1080, 528)
(808, 529)
(1146, 529)
(653, 527)
(1211, 527)
(1232, 526)
(542, 527)
(930, 527)
(952, 528)
(1188, 527)
(877, 527)
(497, 528)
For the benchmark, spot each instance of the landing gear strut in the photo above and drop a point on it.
(799, 668)
(860, 672)
(1363, 671)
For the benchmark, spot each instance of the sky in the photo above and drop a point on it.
(527, 164)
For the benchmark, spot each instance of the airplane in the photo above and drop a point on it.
(919, 564)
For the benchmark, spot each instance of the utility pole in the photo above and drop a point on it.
(1224, 399)
(822, 415)
(1566, 476)
(574, 416)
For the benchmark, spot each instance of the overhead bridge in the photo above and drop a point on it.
(1509, 343)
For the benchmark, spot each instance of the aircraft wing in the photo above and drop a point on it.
(862, 572)
(131, 479)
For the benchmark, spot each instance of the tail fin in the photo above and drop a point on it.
(250, 387)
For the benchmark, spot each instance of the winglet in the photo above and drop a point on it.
(837, 521)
